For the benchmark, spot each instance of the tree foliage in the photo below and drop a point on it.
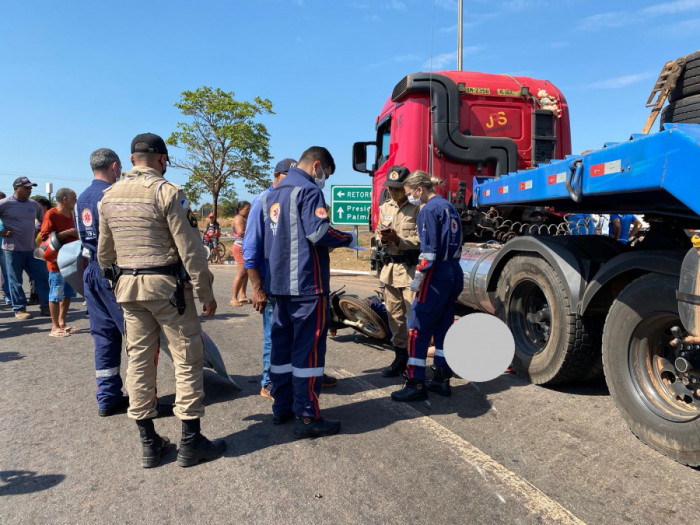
(225, 144)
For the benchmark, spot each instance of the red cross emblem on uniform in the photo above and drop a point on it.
(86, 217)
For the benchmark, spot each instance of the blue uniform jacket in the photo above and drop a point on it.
(253, 242)
(440, 234)
(296, 238)
(88, 218)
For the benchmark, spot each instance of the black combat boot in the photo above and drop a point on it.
(194, 447)
(440, 383)
(413, 390)
(308, 427)
(398, 365)
(153, 446)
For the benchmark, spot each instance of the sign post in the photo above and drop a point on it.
(352, 206)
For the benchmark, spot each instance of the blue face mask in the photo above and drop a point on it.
(320, 182)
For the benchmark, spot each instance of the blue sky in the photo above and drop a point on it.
(79, 75)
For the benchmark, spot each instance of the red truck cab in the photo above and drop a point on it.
(457, 125)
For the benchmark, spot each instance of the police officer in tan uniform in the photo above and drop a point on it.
(150, 247)
(397, 236)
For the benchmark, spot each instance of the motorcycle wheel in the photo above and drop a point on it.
(360, 310)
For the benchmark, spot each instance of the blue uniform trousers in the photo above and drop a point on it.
(432, 315)
(299, 328)
(106, 327)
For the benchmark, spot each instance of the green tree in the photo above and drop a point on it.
(224, 143)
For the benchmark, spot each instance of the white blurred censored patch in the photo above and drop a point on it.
(479, 347)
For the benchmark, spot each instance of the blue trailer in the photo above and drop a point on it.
(583, 305)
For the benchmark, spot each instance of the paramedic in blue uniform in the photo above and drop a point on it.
(438, 283)
(296, 237)
(106, 318)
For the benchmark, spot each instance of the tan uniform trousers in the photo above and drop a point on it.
(398, 307)
(144, 322)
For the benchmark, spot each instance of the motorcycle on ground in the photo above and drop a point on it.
(367, 316)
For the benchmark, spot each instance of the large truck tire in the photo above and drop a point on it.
(688, 82)
(639, 369)
(553, 344)
(684, 110)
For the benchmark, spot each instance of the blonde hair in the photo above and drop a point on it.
(420, 178)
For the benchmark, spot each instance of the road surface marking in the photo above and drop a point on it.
(532, 498)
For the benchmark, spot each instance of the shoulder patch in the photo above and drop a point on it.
(275, 212)
(454, 225)
(86, 217)
(321, 213)
(192, 218)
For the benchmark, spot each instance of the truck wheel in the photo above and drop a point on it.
(552, 343)
(372, 325)
(640, 373)
(684, 110)
(688, 82)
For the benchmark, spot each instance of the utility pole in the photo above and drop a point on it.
(460, 25)
(49, 189)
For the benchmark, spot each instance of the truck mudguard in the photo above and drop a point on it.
(575, 258)
(447, 136)
(665, 262)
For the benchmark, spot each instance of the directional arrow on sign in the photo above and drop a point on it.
(340, 212)
(341, 194)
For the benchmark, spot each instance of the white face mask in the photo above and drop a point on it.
(414, 200)
(320, 182)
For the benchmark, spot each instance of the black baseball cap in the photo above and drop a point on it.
(22, 181)
(284, 165)
(149, 143)
(395, 176)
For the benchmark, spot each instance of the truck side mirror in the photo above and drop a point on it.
(359, 156)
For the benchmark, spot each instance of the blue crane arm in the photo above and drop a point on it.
(657, 173)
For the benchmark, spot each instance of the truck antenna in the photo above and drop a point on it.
(460, 29)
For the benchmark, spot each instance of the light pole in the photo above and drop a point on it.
(49, 189)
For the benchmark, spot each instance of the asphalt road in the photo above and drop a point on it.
(497, 452)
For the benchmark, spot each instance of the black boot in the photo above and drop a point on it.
(413, 390)
(194, 447)
(153, 446)
(440, 383)
(307, 427)
(398, 365)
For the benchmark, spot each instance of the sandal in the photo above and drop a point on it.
(59, 334)
(246, 300)
(234, 303)
(70, 329)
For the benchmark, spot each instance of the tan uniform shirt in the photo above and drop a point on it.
(159, 233)
(403, 220)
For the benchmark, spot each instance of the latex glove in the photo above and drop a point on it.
(353, 242)
(416, 282)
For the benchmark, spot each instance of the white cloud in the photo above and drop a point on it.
(605, 20)
(621, 81)
(397, 5)
(443, 60)
(679, 6)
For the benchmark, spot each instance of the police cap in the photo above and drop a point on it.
(395, 176)
(149, 143)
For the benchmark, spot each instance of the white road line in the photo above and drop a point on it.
(534, 500)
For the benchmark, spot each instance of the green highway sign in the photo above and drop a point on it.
(351, 204)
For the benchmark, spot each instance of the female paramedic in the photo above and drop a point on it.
(438, 283)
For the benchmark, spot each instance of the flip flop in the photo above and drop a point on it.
(234, 303)
(70, 329)
(59, 334)
(246, 301)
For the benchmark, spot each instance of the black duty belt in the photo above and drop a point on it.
(400, 259)
(170, 269)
